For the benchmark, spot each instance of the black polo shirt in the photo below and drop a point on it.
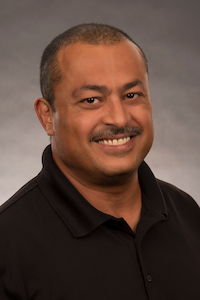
(55, 246)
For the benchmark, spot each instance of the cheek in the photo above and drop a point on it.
(72, 132)
(62, 128)
(148, 127)
(144, 120)
(85, 124)
(143, 117)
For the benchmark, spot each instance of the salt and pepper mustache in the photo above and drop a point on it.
(115, 132)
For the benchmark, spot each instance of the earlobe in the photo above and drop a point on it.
(45, 114)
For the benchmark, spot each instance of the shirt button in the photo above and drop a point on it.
(149, 278)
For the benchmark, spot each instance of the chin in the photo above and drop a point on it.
(117, 176)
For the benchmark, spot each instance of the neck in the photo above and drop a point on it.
(119, 196)
(122, 201)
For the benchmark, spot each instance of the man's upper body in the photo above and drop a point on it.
(58, 246)
(95, 223)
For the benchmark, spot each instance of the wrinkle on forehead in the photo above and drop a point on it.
(103, 89)
(67, 54)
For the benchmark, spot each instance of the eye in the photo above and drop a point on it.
(131, 95)
(91, 100)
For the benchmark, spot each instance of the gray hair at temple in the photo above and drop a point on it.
(94, 34)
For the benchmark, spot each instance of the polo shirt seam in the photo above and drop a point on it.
(58, 213)
(17, 199)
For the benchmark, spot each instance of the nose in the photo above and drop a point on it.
(116, 113)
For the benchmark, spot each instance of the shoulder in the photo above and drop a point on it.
(20, 210)
(172, 192)
(21, 217)
(178, 202)
(23, 192)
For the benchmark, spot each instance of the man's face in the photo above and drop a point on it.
(102, 122)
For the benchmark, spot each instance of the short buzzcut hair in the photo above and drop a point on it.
(92, 33)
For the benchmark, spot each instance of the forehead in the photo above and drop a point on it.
(71, 55)
(108, 65)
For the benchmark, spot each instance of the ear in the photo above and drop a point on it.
(45, 114)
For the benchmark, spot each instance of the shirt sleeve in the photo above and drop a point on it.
(4, 294)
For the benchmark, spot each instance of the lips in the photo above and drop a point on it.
(114, 142)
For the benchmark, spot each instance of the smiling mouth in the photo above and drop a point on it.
(115, 136)
(115, 142)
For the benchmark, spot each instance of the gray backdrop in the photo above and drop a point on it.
(168, 31)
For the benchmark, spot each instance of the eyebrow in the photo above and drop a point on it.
(129, 85)
(104, 89)
(91, 87)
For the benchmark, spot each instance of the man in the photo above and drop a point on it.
(95, 223)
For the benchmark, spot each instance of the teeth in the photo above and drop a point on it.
(115, 142)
